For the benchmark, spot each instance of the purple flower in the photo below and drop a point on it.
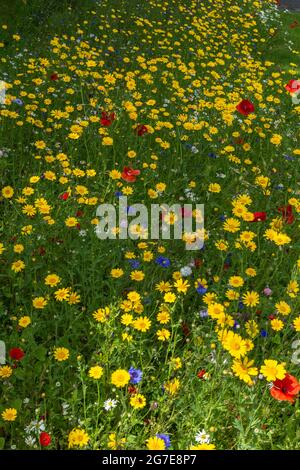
(135, 375)
(267, 291)
(166, 439)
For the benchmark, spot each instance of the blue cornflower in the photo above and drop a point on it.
(135, 375)
(118, 194)
(134, 263)
(18, 101)
(201, 289)
(164, 262)
(166, 439)
(263, 333)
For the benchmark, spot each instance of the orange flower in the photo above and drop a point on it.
(286, 389)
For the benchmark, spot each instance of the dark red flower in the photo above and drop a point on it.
(42, 250)
(54, 77)
(132, 390)
(293, 86)
(239, 141)
(16, 354)
(259, 216)
(64, 196)
(245, 107)
(286, 389)
(141, 130)
(201, 374)
(107, 118)
(287, 213)
(198, 262)
(45, 439)
(79, 213)
(271, 317)
(129, 174)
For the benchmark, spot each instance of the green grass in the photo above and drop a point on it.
(236, 415)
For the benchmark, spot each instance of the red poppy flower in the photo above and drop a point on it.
(286, 389)
(245, 107)
(259, 216)
(129, 174)
(293, 86)
(132, 390)
(16, 354)
(107, 118)
(287, 214)
(64, 196)
(201, 374)
(141, 130)
(45, 439)
(54, 77)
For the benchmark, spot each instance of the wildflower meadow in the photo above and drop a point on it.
(114, 334)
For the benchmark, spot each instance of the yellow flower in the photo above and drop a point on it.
(214, 188)
(234, 344)
(61, 354)
(107, 141)
(182, 286)
(71, 222)
(96, 372)
(272, 370)
(276, 324)
(163, 335)
(137, 275)
(116, 272)
(138, 401)
(9, 414)
(142, 324)
(252, 328)
(102, 314)
(172, 386)
(131, 154)
(7, 192)
(78, 438)
(296, 323)
(120, 378)
(155, 443)
(62, 294)
(52, 280)
(276, 139)
(251, 299)
(236, 281)
(283, 308)
(169, 297)
(5, 372)
(203, 447)
(231, 225)
(18, 266)
(24, 321)
(243, 369)
(115, 174)
(39, 302)
(251, 272)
